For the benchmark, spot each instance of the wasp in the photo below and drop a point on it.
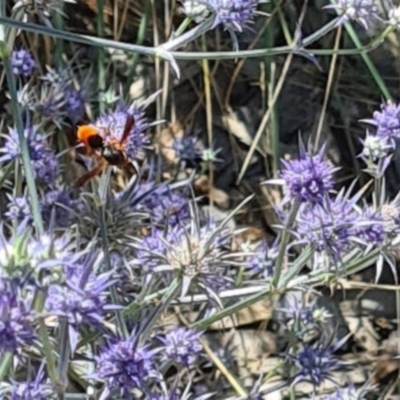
(102, 144)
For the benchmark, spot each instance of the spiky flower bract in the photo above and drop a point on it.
(123, 213)
(235, 15)
(35, 389)
(315, 363)
(309, 178)
(329, 226)
(195, 9)
(261, 259)
(124, 365)
(164, 204)
(81, 299)
(387, 122)
(197, 254)
(376, 147)
(181, 345)
(18, 211)
(362, 11)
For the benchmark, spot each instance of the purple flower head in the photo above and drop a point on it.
(362, 11)
(262, 260)
(314, 363)
(37, 389)
(371, 229)
(22, 63)
(387, 122)
(74, 104)
(80, 302)
(303, 317)
(56, 204)
(18, 210)
(16, 318)
(309, 178)
(164, 204)
(50, 103)
(188, 149)
(115, 122)
(328, 226)
(181, 345)
(191, 252)
(235, 15)
(124, 365)
(43, 160)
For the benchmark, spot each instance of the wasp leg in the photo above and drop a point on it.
(91, 174)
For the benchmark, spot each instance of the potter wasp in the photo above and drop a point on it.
(105, 146)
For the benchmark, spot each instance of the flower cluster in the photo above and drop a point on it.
(196, 254)
(17, 319)
(22, 63)
(315, 363)
(81, 300)
(134, 283)
(181, 345)
(308, 178)
(43, 159)
(362, 11)
(124, 365)
(234, 15)
(164, 204)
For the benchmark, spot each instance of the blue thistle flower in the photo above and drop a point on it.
(235, 15)
(16, 318)
(262, 260)
(124, 366)
(309, 178)
(181, 345)
(80, 301)
(188, 149)
(314, 363)
(22, 63)
(328, 226)
(44, 161)
(74, 104)
(18, 210)
(36, 389)
(371, 229)
(387, 122)
(362, 11)
(58, 202)
(164, 204)
(196, 254)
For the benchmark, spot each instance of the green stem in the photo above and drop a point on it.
(5, 365)
(283, 244)
(100, 56)
(182, 27)
(103, 192)
(30, 180)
